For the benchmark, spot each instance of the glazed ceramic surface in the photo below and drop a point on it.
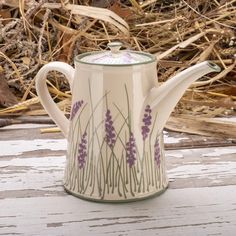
(115, 143)
(111, 154)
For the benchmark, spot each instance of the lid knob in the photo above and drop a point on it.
(115, 47)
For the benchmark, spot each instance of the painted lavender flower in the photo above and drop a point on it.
(82, 152)
(157, 153)
(110, 131)
(147, 121)
(131, 150)
(76, 106)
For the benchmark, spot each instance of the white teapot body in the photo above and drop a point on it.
(115, 142)
(119, 159)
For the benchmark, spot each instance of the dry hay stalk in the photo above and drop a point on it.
(179, 33)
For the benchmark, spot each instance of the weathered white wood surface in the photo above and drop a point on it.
(201, 199)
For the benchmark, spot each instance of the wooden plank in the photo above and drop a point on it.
(202, 126)
(177, 140)
(25, 120)
(173, 140)
(200, 200)
(203, 167)
(194, 211)
(26, 132)
(28, 166)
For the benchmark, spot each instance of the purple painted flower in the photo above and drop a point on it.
(82, 152)
(131, 150)
(157, 153)
(147, 121)
(110, 131)
(76, 106)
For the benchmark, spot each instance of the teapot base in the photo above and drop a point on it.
(133, 199)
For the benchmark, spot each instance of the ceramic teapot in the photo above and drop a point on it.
(115, 142)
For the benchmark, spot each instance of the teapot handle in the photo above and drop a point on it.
(41, 88)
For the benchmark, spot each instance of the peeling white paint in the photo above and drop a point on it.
(216, 170)
(194, 162)
(39, 173)
(178, 212)
(26, 126)
(168, 139)
(38, 163)
(216, 181)
(18, 147)
(177, 155)
(219, 151)
(215, 158)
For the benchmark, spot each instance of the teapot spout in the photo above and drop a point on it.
(164, 98)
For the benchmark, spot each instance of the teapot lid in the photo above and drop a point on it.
(116, 57)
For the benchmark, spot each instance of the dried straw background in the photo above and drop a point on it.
(180, 33)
